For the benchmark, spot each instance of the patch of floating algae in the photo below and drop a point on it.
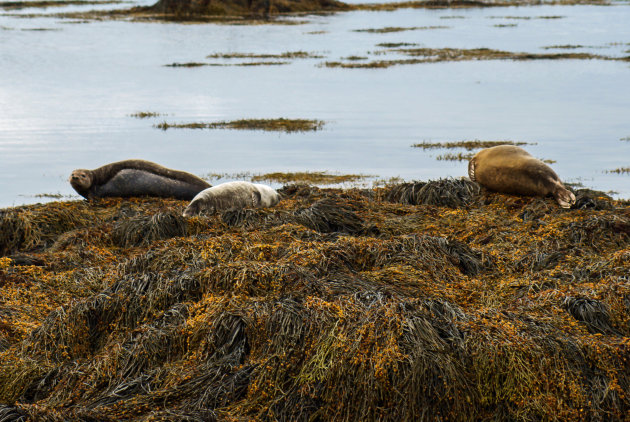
(286, 55)
(398, 29)
(315, 177)
(620, 170)
(422, 298)
(12, 5)
(265, 62)
(468, 145)
(436, 55)
(197, 64)
(455, 157)
(279, 125)
(395, 44)
(145, 114)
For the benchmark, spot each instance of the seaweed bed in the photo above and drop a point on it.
(417, 301)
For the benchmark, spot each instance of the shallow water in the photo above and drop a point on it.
(67, 93)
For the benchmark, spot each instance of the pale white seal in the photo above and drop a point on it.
(232, 195)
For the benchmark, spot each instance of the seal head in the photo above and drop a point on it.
(81, 181)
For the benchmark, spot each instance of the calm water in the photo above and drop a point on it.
(67, 93)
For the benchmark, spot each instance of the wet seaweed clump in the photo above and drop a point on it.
(410, 301)
(144, 230)
(452, 193)
(593, 313)
(278, 125)
(328, 216)
(591, 199)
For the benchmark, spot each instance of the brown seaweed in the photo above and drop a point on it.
(404, 302)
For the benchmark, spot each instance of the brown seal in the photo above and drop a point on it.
(510, 169)
(136, 178)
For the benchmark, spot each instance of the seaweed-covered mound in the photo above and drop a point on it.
(421, 301)
(195, 8)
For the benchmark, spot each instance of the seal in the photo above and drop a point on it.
(232, 195)
(136, 178)
(510, 169)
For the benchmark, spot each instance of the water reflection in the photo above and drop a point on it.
(66, 96)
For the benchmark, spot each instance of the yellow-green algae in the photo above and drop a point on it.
(280, 125)
(620, 170)
(285, 55)
(11, 5)
(415, 301)
(468, 145)
(145, 114)
(389, 29)
(436, 55)
(314, 177)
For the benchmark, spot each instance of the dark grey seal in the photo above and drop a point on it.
(136, 178)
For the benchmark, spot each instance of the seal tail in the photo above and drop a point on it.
(471, 169)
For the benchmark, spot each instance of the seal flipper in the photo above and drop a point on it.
(256, 198)
(563, 196)
(471, 169)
